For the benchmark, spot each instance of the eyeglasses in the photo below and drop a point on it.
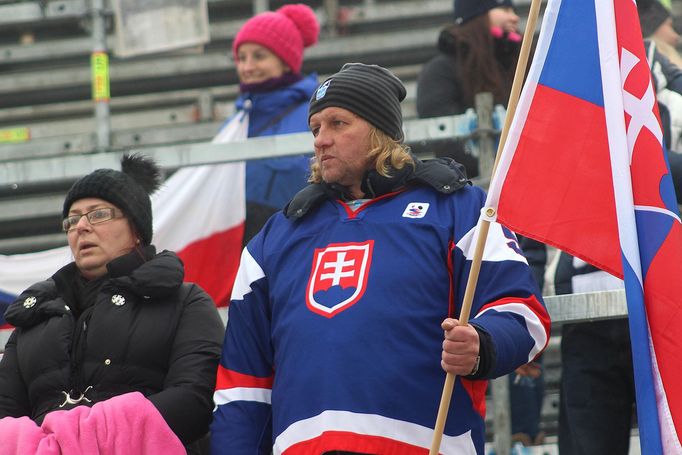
(94, 217)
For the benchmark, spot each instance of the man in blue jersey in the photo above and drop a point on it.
(344, 311)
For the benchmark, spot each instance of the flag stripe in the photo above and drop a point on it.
(574, 19)
(219, 253)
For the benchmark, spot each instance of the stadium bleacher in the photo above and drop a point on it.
(168, 98)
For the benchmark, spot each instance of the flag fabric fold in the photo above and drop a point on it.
(199, 213)
(584, 169)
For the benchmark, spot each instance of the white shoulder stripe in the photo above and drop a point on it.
(249, 271)
(533, 323)
(225, 396)
(370, 425)
(498, 247)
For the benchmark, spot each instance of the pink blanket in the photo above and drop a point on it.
(127, 424)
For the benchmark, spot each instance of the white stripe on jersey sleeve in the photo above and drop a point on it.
(249, 272)
(498, 248)
(225, 396)
(533, 324)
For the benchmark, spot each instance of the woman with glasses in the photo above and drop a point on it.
(118, 319)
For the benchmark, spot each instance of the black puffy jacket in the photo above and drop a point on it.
(146, 331)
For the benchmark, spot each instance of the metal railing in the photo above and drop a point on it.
(28, 187)
(570, 308)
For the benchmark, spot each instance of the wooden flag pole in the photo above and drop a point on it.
(484, 225)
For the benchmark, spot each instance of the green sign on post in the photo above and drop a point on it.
(13, 135)
(99, 61)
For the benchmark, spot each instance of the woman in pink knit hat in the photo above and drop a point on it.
(268, 53)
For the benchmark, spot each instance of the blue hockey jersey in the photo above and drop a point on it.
(334, 339)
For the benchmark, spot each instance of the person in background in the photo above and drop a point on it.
(597, 390)
(268, 54)
(478, 53)
(116, 320)
(657, 25)
(660, 41)
(345, 312)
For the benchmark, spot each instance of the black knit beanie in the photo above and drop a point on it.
(128, 189)
(466, 10)
(652, 14)
(369, 91)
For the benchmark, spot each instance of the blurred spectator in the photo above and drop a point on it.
(268, 53)
(477, 53)
(657, 25)
(117, 320)
(596, 407)
(660, 39)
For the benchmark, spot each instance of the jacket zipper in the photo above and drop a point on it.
(78, 347)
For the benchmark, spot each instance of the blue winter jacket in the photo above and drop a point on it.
(273, 182)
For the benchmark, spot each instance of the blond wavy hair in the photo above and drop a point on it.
(385, 152)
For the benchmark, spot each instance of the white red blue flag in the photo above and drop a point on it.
(584, 169)
(198, 212)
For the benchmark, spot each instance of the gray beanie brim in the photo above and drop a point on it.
(369, 91)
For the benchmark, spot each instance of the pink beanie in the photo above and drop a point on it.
(286, 32)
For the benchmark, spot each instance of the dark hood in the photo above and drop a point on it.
(444, 175)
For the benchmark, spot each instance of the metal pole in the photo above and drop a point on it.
(501, 416)
(260, 6)
(331, 11)
(486, 142)
(100, 75)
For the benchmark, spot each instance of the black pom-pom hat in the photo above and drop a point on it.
(128, 189)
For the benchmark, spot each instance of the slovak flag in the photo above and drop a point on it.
(584, 169)
(198, 213)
